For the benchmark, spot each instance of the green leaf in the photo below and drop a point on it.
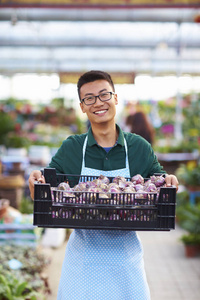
(3, 280)
(21, 287)
(36, 296)
(8, 293)
(19, 298)
(2, 291)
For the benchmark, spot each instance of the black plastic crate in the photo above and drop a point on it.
(124, 211)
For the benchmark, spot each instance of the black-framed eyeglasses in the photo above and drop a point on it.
(106, 96)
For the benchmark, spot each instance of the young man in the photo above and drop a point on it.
(103, 264)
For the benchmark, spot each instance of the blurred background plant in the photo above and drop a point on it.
(6, 126)
(188, 218)
(189, 174)
(28, 275)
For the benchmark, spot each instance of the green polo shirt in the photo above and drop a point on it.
(142, 160)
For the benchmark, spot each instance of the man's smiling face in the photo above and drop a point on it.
(99, 112)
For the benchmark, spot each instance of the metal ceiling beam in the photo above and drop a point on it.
(151, 66)
(95, 43)
(115, 61)
(178, 15)
(88, 53)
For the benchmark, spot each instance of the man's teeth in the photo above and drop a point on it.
(100, 112)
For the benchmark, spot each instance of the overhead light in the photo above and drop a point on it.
(162, 45)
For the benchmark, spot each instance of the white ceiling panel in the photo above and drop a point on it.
(154, 41)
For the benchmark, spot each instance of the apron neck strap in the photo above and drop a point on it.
(84, 150)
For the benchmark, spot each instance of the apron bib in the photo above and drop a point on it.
(103, 264)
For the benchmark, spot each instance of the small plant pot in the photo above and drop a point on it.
(191, 250)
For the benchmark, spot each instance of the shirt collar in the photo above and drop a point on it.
(92, 141)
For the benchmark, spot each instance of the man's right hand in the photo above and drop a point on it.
(35, 175)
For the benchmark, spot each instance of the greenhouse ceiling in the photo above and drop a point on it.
(148, 41)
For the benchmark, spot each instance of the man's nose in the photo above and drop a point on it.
(98, 101)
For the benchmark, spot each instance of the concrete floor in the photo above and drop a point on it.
(171, 276)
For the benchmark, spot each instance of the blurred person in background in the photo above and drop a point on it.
(138, 123)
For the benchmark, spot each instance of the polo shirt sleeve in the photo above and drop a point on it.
(154, 165)
(142, 159)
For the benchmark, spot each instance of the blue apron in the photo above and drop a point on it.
(103, 264)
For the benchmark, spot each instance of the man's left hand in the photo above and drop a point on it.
(171, 180)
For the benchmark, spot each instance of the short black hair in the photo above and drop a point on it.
(93, 76)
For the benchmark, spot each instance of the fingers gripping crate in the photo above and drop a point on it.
(96, 210)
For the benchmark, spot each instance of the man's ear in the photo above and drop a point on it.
(82, 107)
(116, 99)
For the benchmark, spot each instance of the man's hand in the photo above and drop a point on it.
(35, 175)
(171, 180)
